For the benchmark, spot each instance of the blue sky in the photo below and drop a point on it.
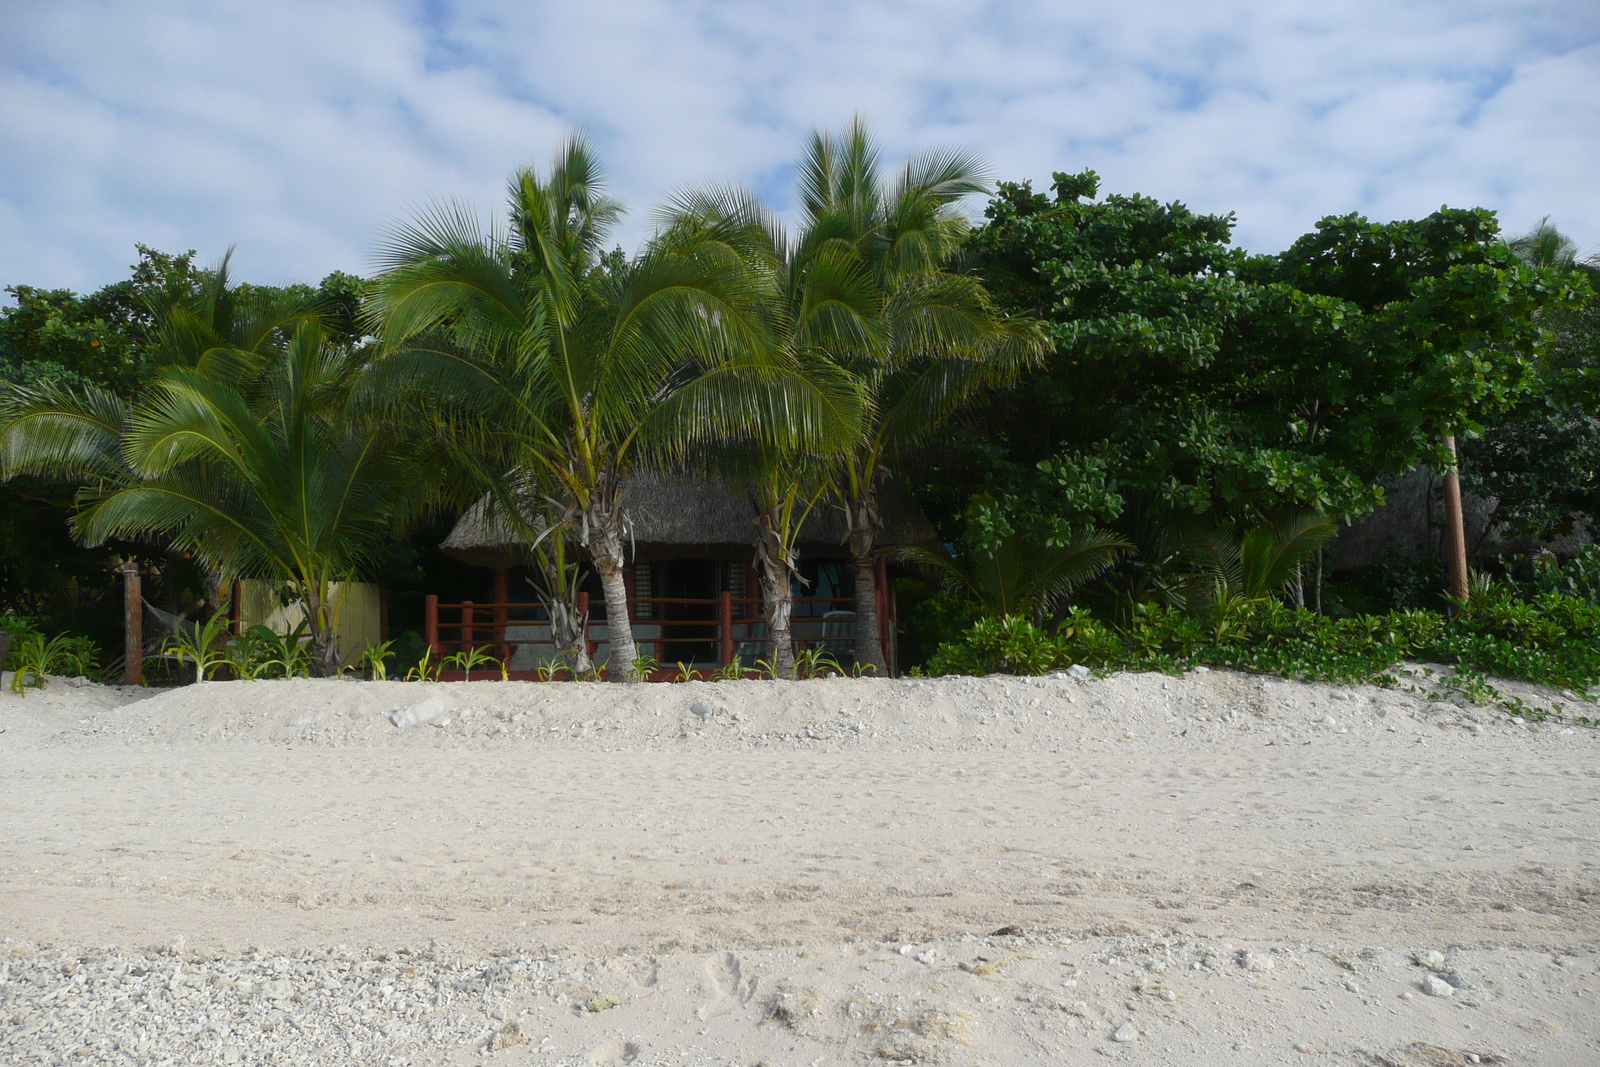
(299, 130)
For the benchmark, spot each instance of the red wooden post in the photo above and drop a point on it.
(880, 568)
(725, 628)
(132, 625)
(466, 625)
(236, 608)
(502, 597)
(430, 623)
(581, 602)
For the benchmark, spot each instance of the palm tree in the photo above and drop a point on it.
(1237, 571)
(243, 448)
(1015, 577)
(868, 285)
(784, 486)
(547, 365)
(929, 337)
(1545, 246)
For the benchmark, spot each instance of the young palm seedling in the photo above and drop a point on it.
(424, 667)
(468, 660)
(375, 658)
(205, 646)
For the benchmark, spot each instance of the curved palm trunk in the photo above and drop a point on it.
(777, 594)
(862, 519)
(324, 641)
(605, 548)
(557, 587)
(566, 633)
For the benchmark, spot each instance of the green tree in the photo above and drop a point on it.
(244, 447)
(868, 283)
(1233, 388)
(871, 282)
(551, 369)
(105, 338)
(1541, 461)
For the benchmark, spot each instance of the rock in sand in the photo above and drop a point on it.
(419, 713)
(1435, 986)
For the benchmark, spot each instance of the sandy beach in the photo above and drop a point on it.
(1218, 868)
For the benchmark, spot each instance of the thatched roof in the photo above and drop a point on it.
(679, 509)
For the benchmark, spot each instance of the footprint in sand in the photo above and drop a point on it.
(725, 982)
(614, 1054)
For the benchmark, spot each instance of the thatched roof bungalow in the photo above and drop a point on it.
(693, 540)
(677, 515)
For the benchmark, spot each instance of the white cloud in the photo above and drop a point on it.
(297, 129)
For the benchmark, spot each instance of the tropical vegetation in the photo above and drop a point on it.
(1134, 438)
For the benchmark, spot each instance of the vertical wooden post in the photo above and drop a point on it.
(502, 597)
(466, 626)
(581, 602)
(430, 623)
(132, 624)
(236, 608)
(725, 628)
(1455, 533)
(880, 570)
(893, 626)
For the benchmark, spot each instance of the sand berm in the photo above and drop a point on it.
(1218, 868)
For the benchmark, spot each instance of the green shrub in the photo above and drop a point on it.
(1548, 641)
(1010, 645)
(63, 654)
(1578, 577)
(19, 628)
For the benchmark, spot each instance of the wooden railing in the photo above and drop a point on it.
(730, 625)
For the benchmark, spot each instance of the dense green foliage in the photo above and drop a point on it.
(866, 297)
(246, 447)
(1123, 425)
(1547, 641)
(1194, 385)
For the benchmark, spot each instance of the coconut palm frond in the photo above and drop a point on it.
(1017, 577)
(1257, 565)
(56, 432)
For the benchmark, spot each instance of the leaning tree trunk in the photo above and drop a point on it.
(1455, 547)
(605, 548)
(777, 594)
(862, 517)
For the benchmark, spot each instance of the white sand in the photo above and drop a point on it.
(804, 873)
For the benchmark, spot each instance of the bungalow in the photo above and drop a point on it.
(695, 598)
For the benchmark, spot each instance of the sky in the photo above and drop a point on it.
(299, 131)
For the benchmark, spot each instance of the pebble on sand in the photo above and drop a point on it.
(1435, 986)
(1125, 1033)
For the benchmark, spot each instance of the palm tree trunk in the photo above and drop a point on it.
(777, 594)
(861, 518)
(605, 548)
(324, 647)
(869, 638)
(566, 633)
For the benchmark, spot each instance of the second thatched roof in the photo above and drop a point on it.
(685, 510)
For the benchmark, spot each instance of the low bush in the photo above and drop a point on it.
(1549, 640)
(65, 654)
(14, 630)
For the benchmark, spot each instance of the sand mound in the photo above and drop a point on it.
(1217, 868)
